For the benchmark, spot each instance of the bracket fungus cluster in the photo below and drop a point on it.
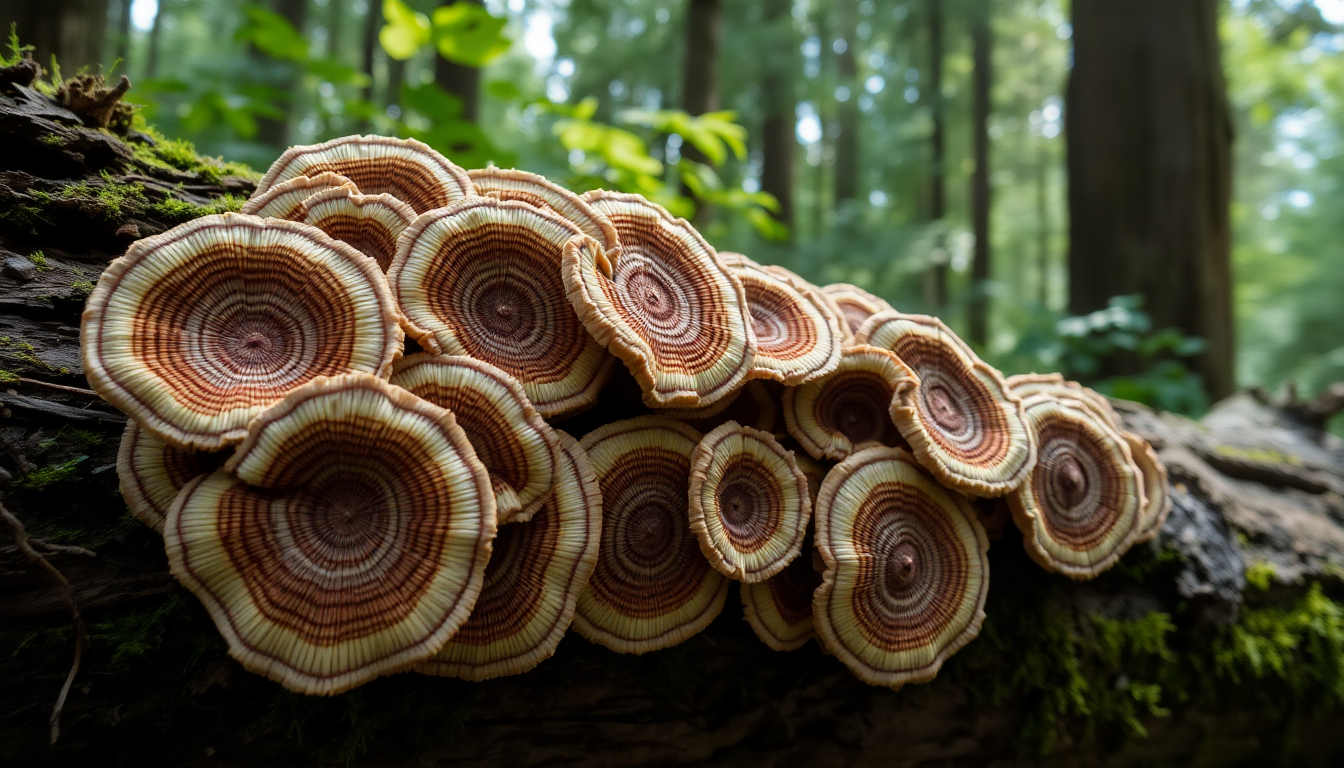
(346, 409)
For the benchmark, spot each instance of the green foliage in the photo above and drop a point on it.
(39, 260)
(136, 634)
(43, 477)
(464, 32)
(16, 51)
(180, 154)
(1301, 649)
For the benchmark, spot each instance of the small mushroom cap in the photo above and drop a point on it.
(961, 422)
(197, 330)
(482, 278)
(668, 307)
(779, 609)
(152, 472)
(907, 571)
(532, 582)
(347, 537)
(539, 192)
(748, 502)
(855, 304)
(285, 200)
(652, 587)
(370, 224)
(517, 446)
(1081, 506)
(798, 339)
(407, 169)
(1025, 385)
(752, 405)
(1157, 500)
(847, 410)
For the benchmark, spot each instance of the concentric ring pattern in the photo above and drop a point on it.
(961, 422)
(652, 587)
(779, 609)
(797, 337)
(1025, 385)
(1157, 501)
(482, 278)
(346, 539)
(539, 192)
(407, 169)
(285, 200)
(855, 304)
(370, 224)
(749, 506)
(1082, 504)
(515, 444)
(667, 307)
(848, 409)
(152, 472)
(906, 569)
(195, 331)
(532, 582)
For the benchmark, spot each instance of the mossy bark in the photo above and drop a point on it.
(1171, 658)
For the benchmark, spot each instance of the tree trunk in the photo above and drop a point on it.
(155, 40)
(124, 35)
(370, 48)
(935, 282)
(1150, 169)
(700, 73)
(847, 111)
(778, 145)
(274, 132)
(462, 81)
(70, 30)
(981, 109)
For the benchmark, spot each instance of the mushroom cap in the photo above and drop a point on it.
(517, 446)
(1157, 501)
(798, 339)
(652, 587)
(370, 224)
(285, 200)
(847, 410)
(906, 568)
(482, 278)
(407, 169)
(152, 472)
(539, 192)
(347, 537)
(962, 423)
(752, 405)
(1025, 385)
(532, 582)
(779, 609)
(855, 304)
(668, 307)
(749, 506)
(1081, 506)
(196, 330)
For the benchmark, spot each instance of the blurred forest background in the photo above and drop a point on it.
(1147, 195)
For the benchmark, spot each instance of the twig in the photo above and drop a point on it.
(21, 540)
(61, 387)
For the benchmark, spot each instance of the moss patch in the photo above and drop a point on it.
(51, 474)
(177, 211)
(24, 352)
(180, 155)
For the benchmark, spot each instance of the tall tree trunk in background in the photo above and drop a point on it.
(462, 81)
(1150, 165)
(373, 18)
(274, 132)
(935, 282)
(123, 51)
(847, 111)
(335, 27)
(70, 30)
(700, 71)
(982, 42)
(155, 40)
(778, 145)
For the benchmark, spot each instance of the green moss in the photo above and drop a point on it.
(1296, 654)
(180, 155)
(52, 140)
(39, 260)
(28, 216)
(82, 287)
(136, 634)
(42, 477)
(8, 377)
(177, 211)
(1260, 575)
(113, 198)
(24, 352)
(83, 438)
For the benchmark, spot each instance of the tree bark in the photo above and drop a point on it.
(935, 282)
(155, 39)
(274, 132)
(124, 35)
(778, 145)
(1150, 169)
(461, 81)
(700, 73)
(847, 110)
(981, 109)
(70, 30)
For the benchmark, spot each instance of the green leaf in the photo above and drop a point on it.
(272, 34)
(467, 34)
(336, 72)
(504, 90)
(405, 32)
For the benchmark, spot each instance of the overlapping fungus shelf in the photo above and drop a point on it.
(1157, 501)
(749, 506)
(346, 538)
(533, 580)
(906, 569)
(667, 307)
(751, 406)
(482, 278)
(652, 587)
(1024, 385)
(1081, 506)
(961, 422)
(407, 169)
(152, 472)
(195, 331)
(779, 609)
(798, 339)
(370, 224)
(511, 439)
(855, 305)
(848, 409)
(538, 192)
(285, 200)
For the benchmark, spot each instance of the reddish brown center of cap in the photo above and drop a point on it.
(902, 568)
(507, 313)
(943, 408)
(652, 295)
(1070, 481)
